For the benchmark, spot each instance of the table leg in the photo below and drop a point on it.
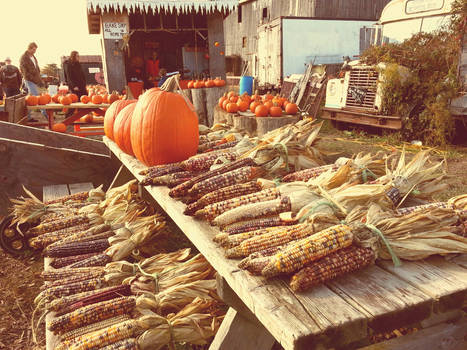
(50, 118)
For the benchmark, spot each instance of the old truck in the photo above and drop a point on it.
(356, 96)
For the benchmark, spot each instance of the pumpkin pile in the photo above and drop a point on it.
(262, 106)
(92, 97)
(206, 83)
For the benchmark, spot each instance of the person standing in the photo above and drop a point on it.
(152, 68)
(31, 73)
(74, 75)
(10, 78)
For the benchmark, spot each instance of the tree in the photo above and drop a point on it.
(51, 70)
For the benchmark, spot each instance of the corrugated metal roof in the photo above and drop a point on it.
(179, 6)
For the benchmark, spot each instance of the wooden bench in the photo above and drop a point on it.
(48, 193)
(343, 313)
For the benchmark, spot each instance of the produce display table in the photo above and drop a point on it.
(345, 311)
(81, 109)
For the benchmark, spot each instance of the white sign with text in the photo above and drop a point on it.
(115, 30)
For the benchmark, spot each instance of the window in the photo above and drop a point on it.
(244, 42)
(265, 12)
(416, 6)
(239, 13)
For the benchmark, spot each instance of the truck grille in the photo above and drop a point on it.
(362, 89)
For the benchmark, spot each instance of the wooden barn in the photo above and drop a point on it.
(271, 39)
(183, 33)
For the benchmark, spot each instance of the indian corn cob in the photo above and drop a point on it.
(271, 239)
(78, 236)
(256, 262)
(159, 170)
(205, 161)
(49, 217)
(254, 210)
(127, 344)
(91, 314)
(306, 174)
(223, 194)
(212, 210)
(73, 248)
(69, 336)
(420, 208)
(229, 241)
(73, 279)
(64, 223)
(72, 288)
(106, 336)
(339, 263)
(182, 189)
(80, 196)
(52, 275)
(95, 260)
(256, 224)
(210, 144)
(57, 263)
(103, 295)
(48, 238)
(299, 253)
(222, 146)
(239, 175)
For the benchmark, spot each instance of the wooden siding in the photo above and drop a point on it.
(252, 18)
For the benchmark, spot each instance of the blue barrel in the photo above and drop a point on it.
(246, 85)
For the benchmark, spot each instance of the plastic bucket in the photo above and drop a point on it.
(246, 85)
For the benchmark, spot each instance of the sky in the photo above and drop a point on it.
(56, 26)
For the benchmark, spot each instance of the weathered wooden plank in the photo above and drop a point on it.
(199, 102)
(271, 301)
(212, 97)
(460, 260)
(445, 336)
(35, 166)
(54, 191)
(78, 105)
(445, 282)
(264, 125)
(238, 333)
(387, 301)
(49, 138)
(80, 187)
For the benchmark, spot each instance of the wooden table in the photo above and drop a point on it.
(81, 109)
(345, 311)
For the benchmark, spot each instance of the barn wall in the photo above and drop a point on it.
(241, 37)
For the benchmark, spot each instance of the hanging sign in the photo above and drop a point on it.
(115, 30)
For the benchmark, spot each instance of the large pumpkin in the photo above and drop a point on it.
(164, 128)
(111, 114)
(122, 127)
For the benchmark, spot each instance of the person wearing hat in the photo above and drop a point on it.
(10, 78)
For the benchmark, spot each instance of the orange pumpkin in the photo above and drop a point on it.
(225, 103)
(164, 128)
(253, 105)
(85, 99)
(221, 100)
(291, 108)
(268, 97)
(32, 100)
(122, 128)
(74, 98)
(275, 111)
(261, 111)
(232, 107)
(242, 105)
(111, 114)
(55, 98)
(88, 118)
(96, 99)
(219, 82)
(198, 84)
(190, 84)
(268, 104)
(231, 93)
(113, 97)
(209, 83)
(246, 98)
(65, 100)
(105, 98)
(233, 99)
(44, 99)
(59, 127)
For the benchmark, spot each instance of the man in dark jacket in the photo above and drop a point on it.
(31, 72)
(10, 78)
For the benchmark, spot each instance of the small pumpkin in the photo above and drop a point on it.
(190, 84)
(209, 83)
(74, 98)
(221, 100)
(233, 99)
(55, 98)
(113, 97)
(44, 99)
(88, 118)
(268, 97)
(231, 93)
(253, 105)
(59, 127)
(65, 100)
(105, 98)
(261, 111)
(32, 100)
(268, 103)
(97, 99)
(219, 82)
(122, 129)
(225, 103)
(275, 111)
(242, 105)
(232, 107)
(164, 128)
(85, 99)
(291, 108)
(111, 114)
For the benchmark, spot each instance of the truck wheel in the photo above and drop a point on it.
(11, 240)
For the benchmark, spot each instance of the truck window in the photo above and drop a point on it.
(397, 32)
(417, 6)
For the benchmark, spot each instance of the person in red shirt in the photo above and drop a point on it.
(152, 67)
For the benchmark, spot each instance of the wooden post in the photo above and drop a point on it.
(113, 56)
(216, 34)
(264, 125)
(212, 97)
(199, 102)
